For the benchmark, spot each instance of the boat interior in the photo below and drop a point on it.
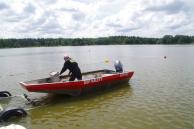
(65, 78)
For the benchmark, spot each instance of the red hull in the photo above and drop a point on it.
(77, 87)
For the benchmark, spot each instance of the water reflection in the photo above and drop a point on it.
(67, 106)
(4, 100)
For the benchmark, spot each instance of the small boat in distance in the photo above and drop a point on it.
(92, 81)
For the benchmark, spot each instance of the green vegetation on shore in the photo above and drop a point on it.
(112, 40)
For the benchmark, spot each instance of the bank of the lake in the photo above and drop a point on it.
(112, 40)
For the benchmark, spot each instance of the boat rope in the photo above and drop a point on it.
(34, 104)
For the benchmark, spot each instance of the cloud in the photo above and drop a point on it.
(68, 10)
(97, 18)
(170, 8)
(3, 6)
(83, 1)
(29, 9)
(78, 16)
(114, 25)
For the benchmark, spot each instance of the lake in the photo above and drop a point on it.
(160, 95)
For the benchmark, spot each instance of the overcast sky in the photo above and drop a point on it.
(95, 18)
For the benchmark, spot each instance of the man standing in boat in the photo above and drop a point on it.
(72, 66)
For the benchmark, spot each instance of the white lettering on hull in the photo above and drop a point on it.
(92, 81)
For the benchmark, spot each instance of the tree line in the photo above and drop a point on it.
(112, 40)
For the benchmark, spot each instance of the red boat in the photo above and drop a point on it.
(92, 81)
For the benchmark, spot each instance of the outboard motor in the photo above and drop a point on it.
(118, 66)
(4, 94)
(9, 113)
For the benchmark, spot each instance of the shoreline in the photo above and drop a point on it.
(95, 45)
(111, 40)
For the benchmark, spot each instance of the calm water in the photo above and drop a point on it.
(160, 95)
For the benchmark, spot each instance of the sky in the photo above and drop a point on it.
(95, 18)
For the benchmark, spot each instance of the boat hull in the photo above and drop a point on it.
(76, 88)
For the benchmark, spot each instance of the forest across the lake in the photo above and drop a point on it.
(111, 40)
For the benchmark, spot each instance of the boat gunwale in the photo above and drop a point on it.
(24, 84)
(63, 76)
